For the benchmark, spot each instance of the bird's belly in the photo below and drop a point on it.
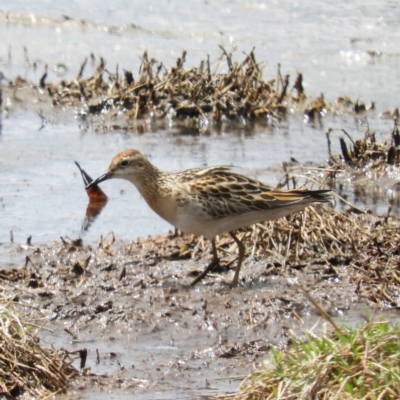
(211, 227)
(196, 227)
(193, 220)
(191, 217)
(200, 223)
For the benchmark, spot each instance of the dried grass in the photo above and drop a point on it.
(366, 151)
(27, 369)
(362, 248)
(198, 93)
(194, 92)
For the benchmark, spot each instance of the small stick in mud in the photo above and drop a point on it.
(81, 69)
(43, 78)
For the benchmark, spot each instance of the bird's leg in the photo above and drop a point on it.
(214, 262)
(242, 249)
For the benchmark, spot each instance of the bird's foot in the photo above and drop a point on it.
(235, 282)
(209, 268)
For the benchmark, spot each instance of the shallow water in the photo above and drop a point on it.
(43, 194)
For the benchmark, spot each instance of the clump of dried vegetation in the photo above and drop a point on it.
(197, 93)
(194, 92)
(28, 369)
(367, 151)
(361, 248)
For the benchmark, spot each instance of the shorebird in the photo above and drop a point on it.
(208, 201)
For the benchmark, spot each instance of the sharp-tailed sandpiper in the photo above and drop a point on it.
(209, 201)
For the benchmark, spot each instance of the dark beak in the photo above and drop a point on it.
(102, 178)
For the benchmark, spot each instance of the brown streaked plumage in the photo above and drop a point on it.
(209, 201)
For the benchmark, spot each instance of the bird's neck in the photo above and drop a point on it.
(148, 183)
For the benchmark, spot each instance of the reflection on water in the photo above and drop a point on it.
(97, 199)
(379, 194)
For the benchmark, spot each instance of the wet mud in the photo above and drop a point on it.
(148, 333)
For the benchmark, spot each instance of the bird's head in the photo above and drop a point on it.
(130, 165)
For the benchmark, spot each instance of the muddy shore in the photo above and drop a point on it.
(149, 334)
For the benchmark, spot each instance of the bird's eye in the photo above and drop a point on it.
(124, 163)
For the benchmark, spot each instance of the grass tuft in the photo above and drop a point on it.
(350, 363)
(27, 369)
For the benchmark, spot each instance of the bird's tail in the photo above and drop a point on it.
(320, 196)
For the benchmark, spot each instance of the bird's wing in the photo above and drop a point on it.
(196, 174)
(224, 193)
